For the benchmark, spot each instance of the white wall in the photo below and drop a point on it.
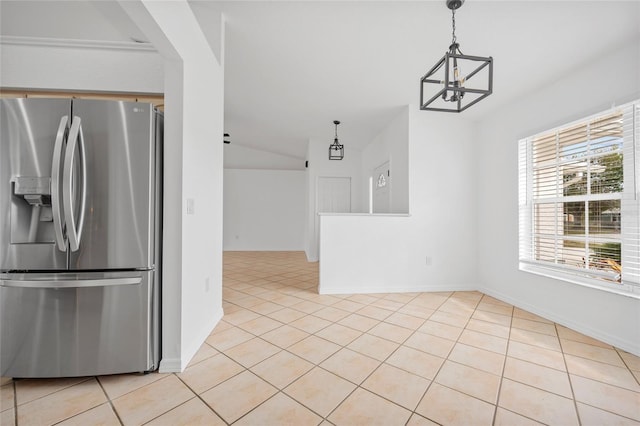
(264, 209)
(192, 263)
(608, 80)
(320, 166)
(378, 253)
(392, 144)
(243, 157)
(91, 66)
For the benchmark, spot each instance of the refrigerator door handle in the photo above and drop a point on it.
(75, 141)
(56, 200)
(70, 283)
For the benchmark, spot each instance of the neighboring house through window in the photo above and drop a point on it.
(579, 201)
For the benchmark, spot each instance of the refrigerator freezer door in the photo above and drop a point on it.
(118, 231)
(28, 130)
(81, 330)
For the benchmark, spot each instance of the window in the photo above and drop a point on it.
(579, 201)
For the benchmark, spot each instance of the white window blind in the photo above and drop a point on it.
(579, 200)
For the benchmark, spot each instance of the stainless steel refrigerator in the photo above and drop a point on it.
(80, 237)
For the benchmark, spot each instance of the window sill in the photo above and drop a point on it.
(626, 290)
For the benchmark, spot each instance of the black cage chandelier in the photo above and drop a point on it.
(445, 87)
(336, 150)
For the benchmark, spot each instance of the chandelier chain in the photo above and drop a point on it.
(453, 25)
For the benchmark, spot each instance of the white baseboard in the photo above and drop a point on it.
(177, 365)
(170, 365)
(346, 289)
(626, 345)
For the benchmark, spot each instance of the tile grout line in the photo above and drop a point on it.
(109, 400)
(197, 395)
(566, 366)
(504, 366)
(15, 401)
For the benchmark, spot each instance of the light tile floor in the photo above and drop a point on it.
(285, 355)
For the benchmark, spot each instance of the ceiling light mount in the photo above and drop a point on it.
(454, 4)
(336, 150)
(444, 86)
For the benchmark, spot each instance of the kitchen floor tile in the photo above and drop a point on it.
(260, 325)
(365, 408)
(314, 349)
(470, 381)
(509, 418)
(330, 313)
(484, 341)
(8, 417)
(538, 327)
(537, 355)
(339, 334)
(287, 315)
(535, 339)
(416, 362)
(350, 365)
(310, 324)
(430, 344)
(374, 347)
(320, 390)
(60, 405)
(252, 352)
(568, 334)
(100, 415)
(488, 361)
(405, 320)
(210, 372)
(228, 338)
(450, 319)
(595, 353)
(488, 328)
(6, 397)
(396, 385)
(606, 397)
(441, 330)
(30, 389)
(119, 384)
(449, 407)
(150, 401)
(538, 376)
(282, 369)
(237, 396)
(359, 322)
(418, 420)
(280, 410)
(602, 372)
(192, 413)
(537, 404)
(591, 416)
(284, 336)
(391, 332)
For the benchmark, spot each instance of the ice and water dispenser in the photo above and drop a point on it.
(31, 214)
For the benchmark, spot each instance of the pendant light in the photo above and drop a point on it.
(336, 151)
(446, 87)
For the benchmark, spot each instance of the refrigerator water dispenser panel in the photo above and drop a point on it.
(31, 214)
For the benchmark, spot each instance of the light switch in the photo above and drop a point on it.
(191, 209)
